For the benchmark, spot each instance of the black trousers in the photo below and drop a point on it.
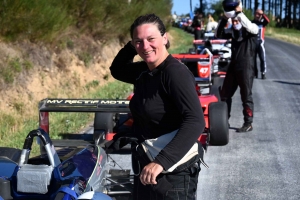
(261, 53)
(181, 185)
(198, 34)
(244, 80)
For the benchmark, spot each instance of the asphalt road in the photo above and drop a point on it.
(265, 163)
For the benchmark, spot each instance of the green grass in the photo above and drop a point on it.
(13, 67)
(86, 57)
(288, 35)
(284, 31)
(181, 41)
(92, 84)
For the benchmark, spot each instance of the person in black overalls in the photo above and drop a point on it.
(241, 70)
(197, 24)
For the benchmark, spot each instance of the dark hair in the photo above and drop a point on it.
(149, 19)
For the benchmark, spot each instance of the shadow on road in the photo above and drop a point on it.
(285, 82)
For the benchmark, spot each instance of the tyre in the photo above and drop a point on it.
(103, 124)
(218, 81)
(215, 90)
(218, 124)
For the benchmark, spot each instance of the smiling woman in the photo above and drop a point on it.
(150, 40)
(147, 42)
(165, 109)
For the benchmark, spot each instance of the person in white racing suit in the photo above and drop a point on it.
(261, 20)
(211, 25)
(241, 68)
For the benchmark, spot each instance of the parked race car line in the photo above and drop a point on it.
(262, 164)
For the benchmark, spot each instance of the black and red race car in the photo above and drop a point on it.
(221, 51)
(113, 116)
(215, 111)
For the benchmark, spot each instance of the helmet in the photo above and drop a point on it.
(229, 7)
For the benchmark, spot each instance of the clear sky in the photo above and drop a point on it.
(183, 6)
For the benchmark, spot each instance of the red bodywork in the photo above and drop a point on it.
(44, 121)
(204, 63)
(218, 41)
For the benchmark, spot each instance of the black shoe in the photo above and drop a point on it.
(263, 76)
(245, 128)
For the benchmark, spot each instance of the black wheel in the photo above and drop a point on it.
(218, 124)
(215, 90)
(103, 123)
(218, 81)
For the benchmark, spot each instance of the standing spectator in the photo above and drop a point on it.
(221, 17)
(211, 25)
(261, 20)
(278, 23)
(197, 24)
(174, 16)
(240, 72)
(209, 16)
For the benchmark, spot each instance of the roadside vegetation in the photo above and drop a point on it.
(46, 20)
(284, 34)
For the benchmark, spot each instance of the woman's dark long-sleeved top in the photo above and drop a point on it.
(164, 100)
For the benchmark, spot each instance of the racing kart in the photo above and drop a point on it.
(68, 173)
(210, 42)
(214, 110)
(221, 55)
(68, 168)
(112, 116)
(222, 64)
